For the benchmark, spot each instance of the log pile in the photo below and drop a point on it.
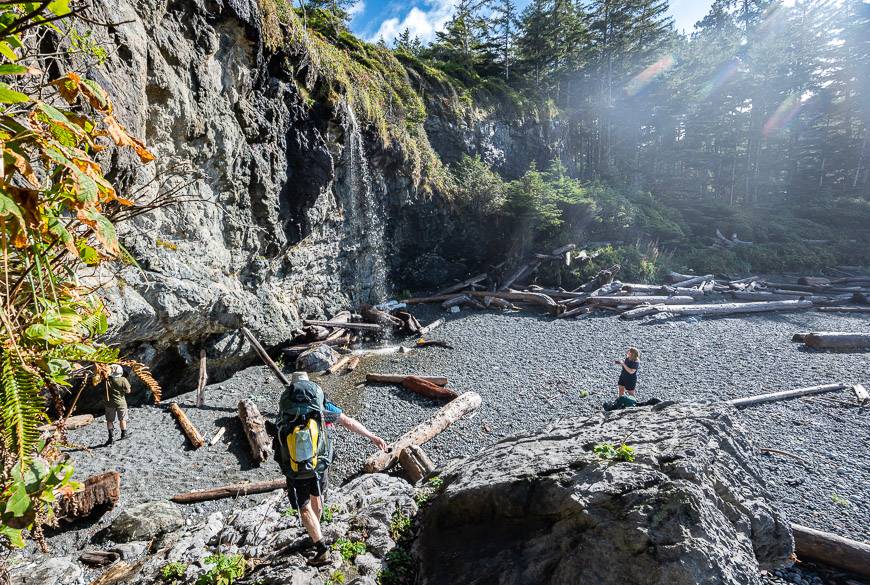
(682, 294)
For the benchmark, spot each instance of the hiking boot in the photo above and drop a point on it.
(321, 556)
(124, 433)
(111, 438)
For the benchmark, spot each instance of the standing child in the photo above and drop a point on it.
(628, 373)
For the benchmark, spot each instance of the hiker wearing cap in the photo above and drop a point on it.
(304, 451)
(116, 387)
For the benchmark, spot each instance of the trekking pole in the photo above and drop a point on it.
(265, 356)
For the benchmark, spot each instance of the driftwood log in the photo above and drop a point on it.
(202, 380)
(230, 491)
(374, 327)
(399, 378)
(342, 317)
(339, 365)
(254, 425)
(432, 326)
(191, 432)
(784, 395)
(837, 340)
(371, 314)
(265, 356)
(428, 389)
(639, 300)
(692, 280)
(426, 430)
(416, 463)
(74, 422)
(98, 492)
(734, 308)
(99, 558)
(294, 350)
(844, 309)
(217, 436)
(861, 394)
(352, 363)
(832, 550)
(658, 289)
(118, 573)
(464, 284)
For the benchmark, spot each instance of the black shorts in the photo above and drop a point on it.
(629, 385)
(300, 490)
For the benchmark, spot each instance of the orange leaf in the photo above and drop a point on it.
(68, 87)
(120, 136)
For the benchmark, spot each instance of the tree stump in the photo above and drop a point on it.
(98, 491)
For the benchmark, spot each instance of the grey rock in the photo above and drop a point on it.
(146, 520)
(317, 359)
(364, 580)
(367, 564)
(544, 509)
(130, 550)
(48, 571)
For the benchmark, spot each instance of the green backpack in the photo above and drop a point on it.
(304, 449)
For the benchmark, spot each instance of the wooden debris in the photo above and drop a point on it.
(191, 432)
(844, 309)
(371, 314)
(735, 308)
(428, 389)
(464, 284)
(203, 380)
(784, 395)
(99, 558)
(832, 550)
(217, 436)
(814, 280)
(410, 325)
(799, 337)
(373, 327)
(74, 422)
(98, 492)
(416, 463)
(230, 491)
(255, 429)
(837, 340)
(861, 394)
(432, 326)
(339, 365)
(455, 301)
(398, 379)
(265, 356)
(294, 350)
(640, 300)
(433, 343)
(642, 311)
(693, 281)
(785, 454)
(576, 312)
(352, 363)
(426, 430)
(120, 572)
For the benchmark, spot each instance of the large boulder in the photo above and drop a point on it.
(146, 520)
(317, 359)
(49, 571)
(546, 509)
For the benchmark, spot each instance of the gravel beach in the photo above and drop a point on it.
(531, 370)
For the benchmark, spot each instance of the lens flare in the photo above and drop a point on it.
(648, 75)
(725, 73)
(785, 113)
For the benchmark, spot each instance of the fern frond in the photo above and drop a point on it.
(101, 354)
(21, 406)
(142, 372)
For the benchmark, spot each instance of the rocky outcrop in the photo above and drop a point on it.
(146, 520)
(281, 210)
(545, 508)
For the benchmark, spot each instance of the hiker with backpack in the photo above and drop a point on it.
(304, 451)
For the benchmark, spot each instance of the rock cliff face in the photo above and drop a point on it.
(285, 209)
(545, 508)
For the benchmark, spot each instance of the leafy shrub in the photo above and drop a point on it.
(400, 525)
(336, 578)
(399, 568)
(172, 572)
(328, 514)
(226, 570)
(349, 549)
(608, 452)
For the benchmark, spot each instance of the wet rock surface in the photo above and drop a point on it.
(545, 508)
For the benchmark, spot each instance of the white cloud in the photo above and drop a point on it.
(422, 22)
(357, 8)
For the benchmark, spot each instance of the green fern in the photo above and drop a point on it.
(23, 409)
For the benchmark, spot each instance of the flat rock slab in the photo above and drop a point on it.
(545, 509)
(143, 521)
(49, 571)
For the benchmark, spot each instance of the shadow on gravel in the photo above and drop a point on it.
(812, 350)
(236, 442)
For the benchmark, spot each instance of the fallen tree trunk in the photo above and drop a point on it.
(265, 356)
(74, 422)
(428, 389)
(455, 301)
(230, 491)
(297, 349)
(398, 379)
(190, 431)
(98, 492)
(523, 297)
(660, 289)
(374, 327)
(432, 326)
(464, 284)
(641, 312)
(836, 340)
(832, 550)
(255, 429)
(784, 395)
(337, 366)
(575, 312)
(695, 280)
(352, 363)
(517, 274)
(736, 308)
(640, 300)
(426, 430)
(602, 278)
(416, 463)
(844, 309)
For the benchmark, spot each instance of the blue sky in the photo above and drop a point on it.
(374, 19)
